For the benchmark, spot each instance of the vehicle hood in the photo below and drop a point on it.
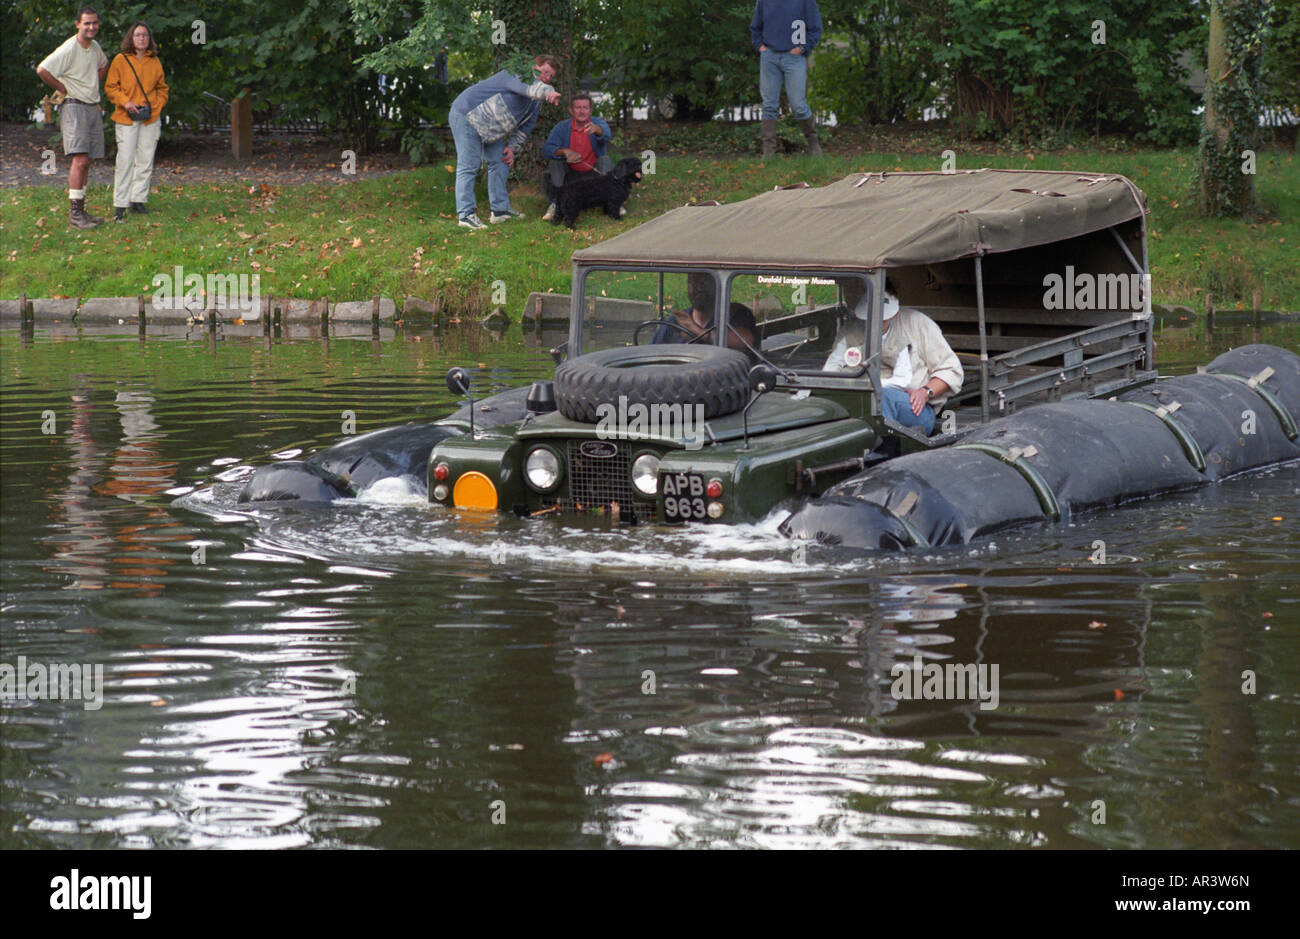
(773, 412)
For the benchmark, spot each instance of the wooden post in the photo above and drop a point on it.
(241, 125)
(984, 341)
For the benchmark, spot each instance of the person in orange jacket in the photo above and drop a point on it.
(135, 84)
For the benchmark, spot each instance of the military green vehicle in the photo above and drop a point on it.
(1038, 281)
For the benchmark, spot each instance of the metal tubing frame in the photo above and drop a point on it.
(1050, 348)
(1141, 268)
(1014, 390)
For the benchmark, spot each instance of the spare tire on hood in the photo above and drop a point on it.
(670, 373)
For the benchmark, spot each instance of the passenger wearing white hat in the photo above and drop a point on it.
(918, 369)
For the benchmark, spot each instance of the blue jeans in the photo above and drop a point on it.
(896, 406)
(471, 152)
(775, 67)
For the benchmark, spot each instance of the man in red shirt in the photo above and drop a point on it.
(576, 146)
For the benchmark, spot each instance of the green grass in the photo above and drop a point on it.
(397, 236)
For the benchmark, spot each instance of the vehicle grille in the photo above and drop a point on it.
(594, 482)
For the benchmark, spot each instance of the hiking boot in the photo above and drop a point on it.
(505, 216)
(119, 213)
(77, 216)
(769, 139)
(809, 127)
(139, 208)
(472, 222)
(550, 213)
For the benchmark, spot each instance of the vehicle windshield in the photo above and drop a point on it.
(795, 316)
(624, 308)
(793, 319)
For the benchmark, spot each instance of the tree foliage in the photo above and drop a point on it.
(1060, 65)
(698, 53)
(377, 70)
(875, 64)
(301, 63)
(1282, 57)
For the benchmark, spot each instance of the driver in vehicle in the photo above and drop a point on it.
(919, 371)
(696, 324)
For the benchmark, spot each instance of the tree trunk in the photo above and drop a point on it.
(1228, 139)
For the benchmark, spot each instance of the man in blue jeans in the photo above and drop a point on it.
(489, 122)
(919, 371)
(784, 32)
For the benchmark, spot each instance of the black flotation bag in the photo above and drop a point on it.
(295, 481)
(394, 451)
(348, 467)
(344, 469)
(1057, 459)
(915, 495)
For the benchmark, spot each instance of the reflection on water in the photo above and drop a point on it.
(379, 674)
(132, 470)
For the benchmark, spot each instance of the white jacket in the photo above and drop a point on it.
(930, 355)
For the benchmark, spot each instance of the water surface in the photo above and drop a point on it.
(385, 674)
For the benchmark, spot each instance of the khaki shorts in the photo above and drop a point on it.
(83, 129)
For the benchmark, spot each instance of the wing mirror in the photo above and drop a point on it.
(762, 379)
(458, 384)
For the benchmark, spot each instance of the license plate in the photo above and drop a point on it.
(683, 497)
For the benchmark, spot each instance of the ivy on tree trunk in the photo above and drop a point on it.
(1232, 102)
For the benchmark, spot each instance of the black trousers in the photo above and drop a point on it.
(561, 174)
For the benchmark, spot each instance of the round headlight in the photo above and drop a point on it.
(542, 469)
(645, 474)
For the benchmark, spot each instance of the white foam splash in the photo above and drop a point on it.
(394, 490)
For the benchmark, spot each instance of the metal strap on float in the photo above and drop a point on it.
(1273, 401)
(1191, 449)
(918, 540)
(1014, 458)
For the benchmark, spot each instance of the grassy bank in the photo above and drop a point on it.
(396, 236)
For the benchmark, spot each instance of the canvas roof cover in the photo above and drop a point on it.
(866, 221)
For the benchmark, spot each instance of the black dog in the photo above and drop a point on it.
(594, 190)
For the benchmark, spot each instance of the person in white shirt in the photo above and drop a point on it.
(75, 70)
(918, 369)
